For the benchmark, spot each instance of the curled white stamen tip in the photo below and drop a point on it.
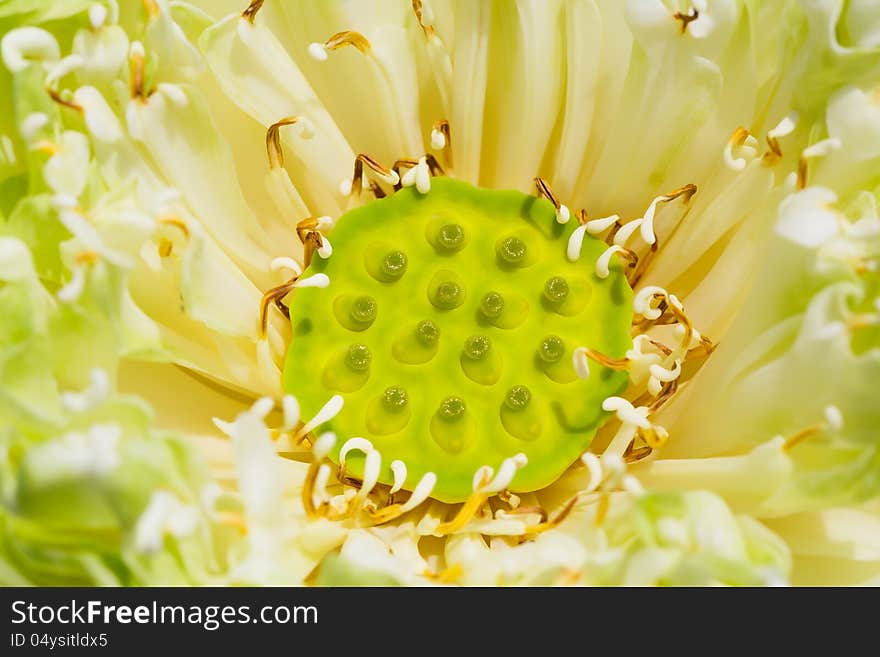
(576, 243)
(665, 374)
(345, 187)
(97, 15)
(563, 214)
(223, 425)
(290, 406)
(357, 443)
(438, 140)
(21, 46)
(733, 163)
(784, 127)
(626, 412)
(506, 472)
(398, 469)
(74, 288)
(483, 473)
(648, 221)
(326, 249)
(833, 417)
(262, 407)
(137, 50)
(66, 65)
(325, 223)
(626, 231)
(318, 52)
(822, 148)
(604, 261)
(596, 226)
(372, 465)
(644, 297)
(32, 124)
(323, 445)
(316, 280)
(421, 492)
(328, 412)
(594, 467)
(423, 176)
(581, 363)
(285, 262)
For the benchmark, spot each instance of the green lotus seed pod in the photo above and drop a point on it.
(449, 326)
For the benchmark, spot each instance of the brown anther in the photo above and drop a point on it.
(686, 19)
(273, 296)
(582, 216)
(802, 173)
(631, 257)
(772, 156)
(666, 393)
(443, 127)
(545, 191)
(555, 520)
(609, 238)
(687, 191)
(380, 170)
(632, 454)
(417, 9)
(347, 38)
(273, 141)
(136, 70)
(800, 436)
(636, 275)
(251, 12)
(434, 166)
(304, 227)
(607, 361)
(56, 96)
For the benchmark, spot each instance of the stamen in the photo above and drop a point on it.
(580, 362)
(359, 181)
(555, 521)
(648, 224)
(819, 149)
(621, 237)
(273, 138)
(284, 262)
(328, 412)
(742, 139)
(290, 406)
(251, 12)
(316, 280)
(563, 214)
(137, 56)
(686, 19)
(418, 175)
(62, 100)
(576, 242)
(398, 469)
(597, 226)
(320, 450)
(319, 495)
(177, 223)
(425, 17)
(273, 296)
(97, 16)
(346, 38)
(420, 493)
(782, 129)
(604, 260)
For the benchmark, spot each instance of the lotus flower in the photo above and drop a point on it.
(185, 185)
